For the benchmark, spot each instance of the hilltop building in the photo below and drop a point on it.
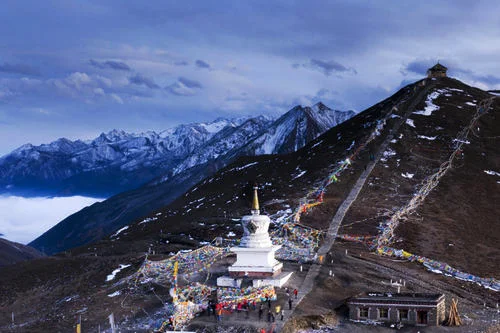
(255, 256)
(437, 70)
(406, 308)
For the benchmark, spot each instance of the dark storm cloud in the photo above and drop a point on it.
(419, 66)
(202, 64)
(326, 67)
(190, 83)
(19, 69)
(111, 64)
(487, 79)
(181, 63)
(184, 87)
(140, 79)
(329, 67)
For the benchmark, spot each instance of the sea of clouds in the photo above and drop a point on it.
(24, 219)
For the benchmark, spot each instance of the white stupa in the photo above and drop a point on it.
(255, 254)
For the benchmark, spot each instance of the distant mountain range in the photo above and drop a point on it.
(196, 152)
(118, 161)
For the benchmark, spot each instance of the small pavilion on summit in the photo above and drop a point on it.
(437, 70)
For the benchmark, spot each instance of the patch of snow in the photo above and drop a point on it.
(430, 106)
(470, 103)
(215, 126)
(410, 122)
(244, 167)
(395, 116)
(300, 175)
(352, 145)
(467, 142)
(316, 144)
(492, 173)
(231, 234)
(455, 89)
(119, 231)
(408, 175)
(116, 271)
(389, 152)
(431, 138)
(149, 219)
(116, 293)
(394, 141)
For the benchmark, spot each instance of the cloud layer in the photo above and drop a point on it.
(24, 219)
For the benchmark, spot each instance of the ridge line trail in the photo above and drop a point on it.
(312, 274)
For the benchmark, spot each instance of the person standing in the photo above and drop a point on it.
(282, 313)
(261, 310)
(290, 301)
(295, 292)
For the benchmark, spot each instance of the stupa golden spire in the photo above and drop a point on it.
(255, 201)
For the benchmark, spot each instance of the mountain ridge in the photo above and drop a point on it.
(99, 220)
(118, 161)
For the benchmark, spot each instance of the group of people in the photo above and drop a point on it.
(246, 306)
(218, 308)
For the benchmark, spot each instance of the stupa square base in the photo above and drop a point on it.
(276, 281)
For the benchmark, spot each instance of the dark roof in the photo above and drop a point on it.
(406, 297)
(438, 67)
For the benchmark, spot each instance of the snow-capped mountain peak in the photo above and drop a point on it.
(116, 161)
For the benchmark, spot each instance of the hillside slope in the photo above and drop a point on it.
(11, 252)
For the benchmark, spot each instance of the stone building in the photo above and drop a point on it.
(437, 70)
(405, 308)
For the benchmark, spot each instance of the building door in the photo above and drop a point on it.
(422, 317)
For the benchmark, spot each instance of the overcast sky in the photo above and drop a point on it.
(77, 68)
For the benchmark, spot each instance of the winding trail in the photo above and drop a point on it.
(309, 281)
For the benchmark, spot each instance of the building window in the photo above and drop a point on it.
(383, 313)
(363, 313)
(403, 314)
